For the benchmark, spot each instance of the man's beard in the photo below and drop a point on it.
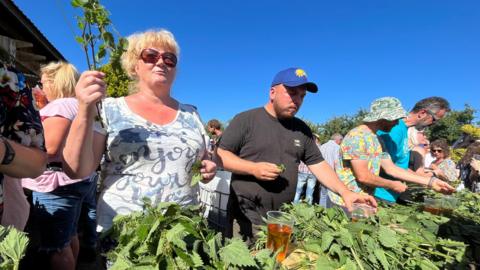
(421, 125)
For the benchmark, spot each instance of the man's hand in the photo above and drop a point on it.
(398, 186)
(266, 171)
(208, 170)
(350, 197)
(442, 187)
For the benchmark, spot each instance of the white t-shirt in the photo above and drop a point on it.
(144, 159)
(428, 160)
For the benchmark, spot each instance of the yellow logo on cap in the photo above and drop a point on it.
(300, 73)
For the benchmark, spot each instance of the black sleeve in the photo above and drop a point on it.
(233, 137)
(312, 153)
(416, 160)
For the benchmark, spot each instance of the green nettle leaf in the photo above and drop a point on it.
(79, 3)
(313, 246)
(427, 265)
(327, 239)
(346, 237)
(387, 237)
(108, 38)
(121, 263)
(236, 253)
(176, 234)
(14, 246)
(323, 263)
(381, 257)
(196, 175)
(196, 259)
(350, 265)
(80, 40)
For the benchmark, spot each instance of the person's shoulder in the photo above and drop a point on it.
(187, 107)
(252, 113)
(60, 106)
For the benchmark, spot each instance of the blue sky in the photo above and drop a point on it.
(354, 50)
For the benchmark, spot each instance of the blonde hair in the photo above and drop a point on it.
(62, 77)
(139, 41)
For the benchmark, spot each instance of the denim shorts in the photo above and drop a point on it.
(56, 213)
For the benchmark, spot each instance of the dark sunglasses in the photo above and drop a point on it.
(437, 150)
(151, 56)
(434, 117)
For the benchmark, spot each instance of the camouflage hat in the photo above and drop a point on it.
(388, 108)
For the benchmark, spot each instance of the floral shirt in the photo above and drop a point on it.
(448, 167)
(359, 143)
(19, 117)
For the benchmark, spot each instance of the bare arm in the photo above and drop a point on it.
(327, 176)
(29, 162)
(405, 175)
(55, 130)
(261, 170)
(364, 176)
(84, 148)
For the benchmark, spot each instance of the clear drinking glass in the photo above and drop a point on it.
(361, 211)
(280, 228)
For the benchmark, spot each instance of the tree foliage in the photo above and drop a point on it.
(338, 124)
(118, 83)
(450, 127)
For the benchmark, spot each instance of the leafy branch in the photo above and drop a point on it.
(96, 39)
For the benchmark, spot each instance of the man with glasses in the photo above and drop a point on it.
(425, 113)
(263, 148)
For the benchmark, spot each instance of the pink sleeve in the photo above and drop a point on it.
(63, 107)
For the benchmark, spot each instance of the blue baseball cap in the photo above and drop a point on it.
(293, 77)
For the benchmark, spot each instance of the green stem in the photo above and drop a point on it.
(357, 259)
(432, 252)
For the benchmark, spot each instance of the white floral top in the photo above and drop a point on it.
(144, 159)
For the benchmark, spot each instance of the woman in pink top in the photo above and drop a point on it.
(57, 199)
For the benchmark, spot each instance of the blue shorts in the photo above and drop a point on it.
(56, 213)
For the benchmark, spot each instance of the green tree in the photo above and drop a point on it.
(118, 83)
(338, 124)
(450, 126)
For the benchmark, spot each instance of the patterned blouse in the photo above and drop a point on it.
(144, 159)
(19, 117)
(448, 168)
(359, 144)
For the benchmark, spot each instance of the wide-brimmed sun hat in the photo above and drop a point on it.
(388, 108)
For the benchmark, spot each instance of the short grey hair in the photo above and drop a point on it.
(432, 104)
(336, 136)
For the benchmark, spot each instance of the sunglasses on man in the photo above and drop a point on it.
(151, 56)
(435, 118)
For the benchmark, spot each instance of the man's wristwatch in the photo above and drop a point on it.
(9, 152)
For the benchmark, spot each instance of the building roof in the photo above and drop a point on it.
(16, 25)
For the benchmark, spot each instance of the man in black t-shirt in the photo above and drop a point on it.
(258, 140)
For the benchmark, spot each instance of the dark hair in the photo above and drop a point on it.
(472, 149)
(442, 144)
(432, 104)
(214, 123)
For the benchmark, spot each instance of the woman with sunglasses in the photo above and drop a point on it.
(151, 140)
(442, 167)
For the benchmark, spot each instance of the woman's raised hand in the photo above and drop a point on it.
(90, 88)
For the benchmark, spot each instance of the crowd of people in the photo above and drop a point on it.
(144, 145)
